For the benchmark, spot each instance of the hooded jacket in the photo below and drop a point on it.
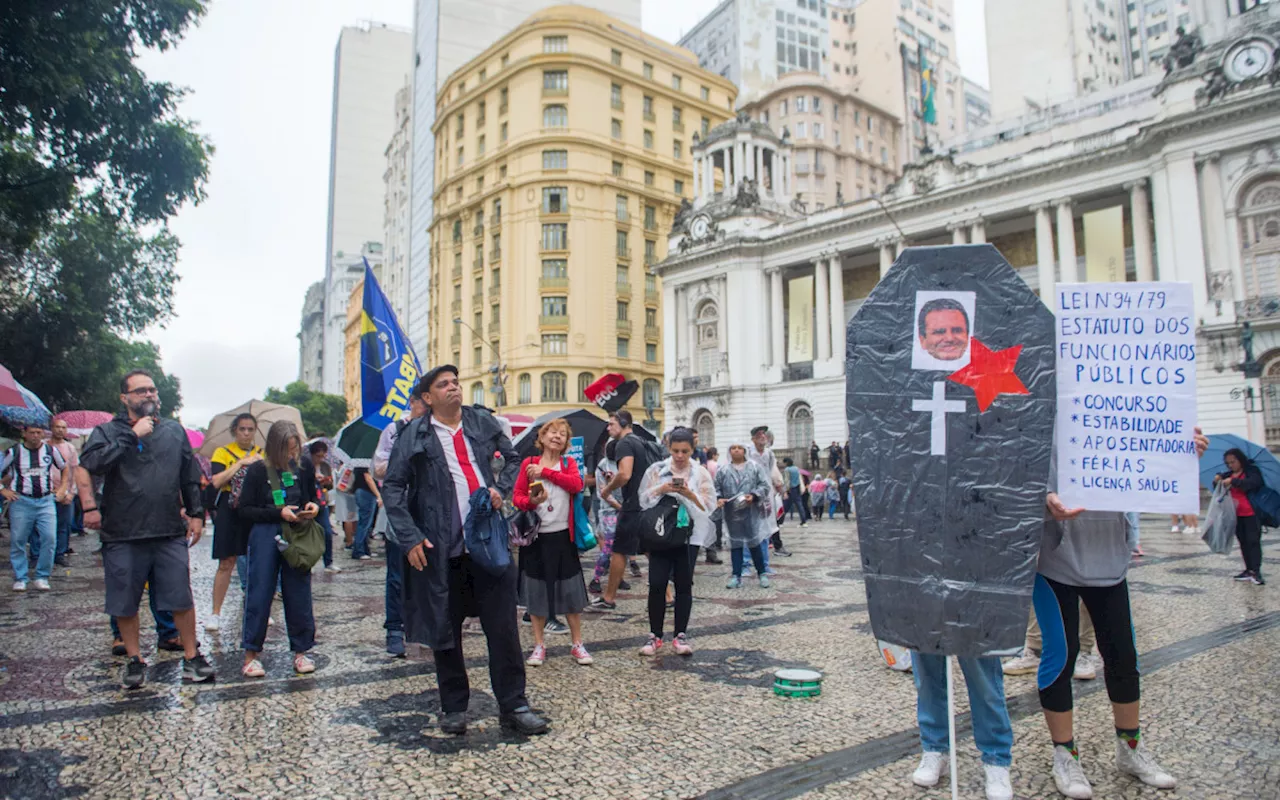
(143, 479)
(419, 499)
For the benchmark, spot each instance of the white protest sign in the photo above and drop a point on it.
(1127, 397)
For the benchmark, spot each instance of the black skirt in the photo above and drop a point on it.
(230, 536)
(551, 576)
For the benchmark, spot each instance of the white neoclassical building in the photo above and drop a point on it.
(1180, 173)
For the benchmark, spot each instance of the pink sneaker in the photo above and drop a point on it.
(652, 646)
(580, 654)
(536, 658)
(681, 646)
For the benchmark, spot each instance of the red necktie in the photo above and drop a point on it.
(464, 461)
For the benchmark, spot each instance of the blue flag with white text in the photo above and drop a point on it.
(389, 368)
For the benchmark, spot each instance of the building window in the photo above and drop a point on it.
(647, 71)
(525, 390)
(620, 208)
(497, 211)
(615, 128)
(555, 44)
(555, 81)
(502, 133)
(650, 251)
(651, 317)
(502, 100)
(799, 426)
(678, 187)
(705, 424)
(555, 159)
(651, 352)
(477, 394)
(555, 344)
(622, 310)
(652, 395)
(835, 112)
(650, 218)
(708, 338)
(648, 144)
(459, 155)
(648, 178)
(782, 108)
(676, 82)
(615, 96)
(677, 150)
(623, 250)
(585, 379)
(616, 57)
(650, 283)
(462, 124)
(677, 118)
(802, 104)
(817, 104)
(555, 306)
(801, 131)
(624, 347)
(555, 236)
(646, 105)
(555, 117)
(555, 200)
(623, 276)
(479, 146)
(555, 268)
(705, 94)
(553, 387)
(817, 131)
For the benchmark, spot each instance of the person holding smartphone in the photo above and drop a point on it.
(266, 509)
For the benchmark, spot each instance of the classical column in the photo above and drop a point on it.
(835, 284)
(978, 231)
(1162, 222)
(682, 328)
(1215, 215)
(747, 161)
(886, 256)
(1044, 252)
(822, 304)
(1067, 242)
(898, 246)
(759, 177)
(1140, 214)
(729, 172)
(669, 357)
(1233, 257)
(1187, 218)
(786, 177)
(957, 233)
(778, 339)
(722, 326)
(775, 182)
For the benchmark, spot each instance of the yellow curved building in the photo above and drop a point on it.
(562, 155)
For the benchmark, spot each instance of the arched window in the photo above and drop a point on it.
(585, 379)
(553, 387)
(799, 427)
(477, 393)
(555, 117)
(1271, 398)
(526, 389)
(1260, 236)
(652, 393)
(707, 321)
(705, 424)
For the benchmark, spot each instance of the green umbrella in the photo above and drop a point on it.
(356, 442)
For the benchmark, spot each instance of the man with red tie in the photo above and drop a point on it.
(438, 461)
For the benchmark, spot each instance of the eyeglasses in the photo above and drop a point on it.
(143, 391)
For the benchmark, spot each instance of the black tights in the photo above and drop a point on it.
(1057, 608)
(664, 565)
(1249, 534)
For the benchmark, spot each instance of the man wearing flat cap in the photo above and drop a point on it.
(437, 462)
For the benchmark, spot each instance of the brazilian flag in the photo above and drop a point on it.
(389, 368)
(928, 111)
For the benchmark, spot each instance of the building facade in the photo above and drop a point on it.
(446, 35)
(1079, 47)
(370, 63)
(345, 272)
(977, 105)
(1192, 167)
(394, 279)
(846, 149)
(311, 337)
(557, 177)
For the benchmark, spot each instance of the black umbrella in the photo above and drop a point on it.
(592, 428)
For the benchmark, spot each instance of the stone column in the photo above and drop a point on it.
(1140, 215)
(957, 233)
(682, 325)
(886, 256)
(786, 178)
(777, 331)
(898, 246)
(1215, 215)
(822, 305)
(1067, 242)
(729, 173)
(1162, 219)
(747, 162)
(1187, 218)
(775, 182)
(1233, 257)
(978, 231)
(669, 332)
(1044, 252)
(835, 284)
(759, 178)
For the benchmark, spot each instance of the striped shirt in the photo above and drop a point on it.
(33, 469)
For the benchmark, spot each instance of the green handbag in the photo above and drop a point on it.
(305, 539)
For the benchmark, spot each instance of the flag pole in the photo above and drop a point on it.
(951, 728)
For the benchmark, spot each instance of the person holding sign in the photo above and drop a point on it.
(1084, 557)
(1244, 478)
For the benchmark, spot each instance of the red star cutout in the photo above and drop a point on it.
(990, 374)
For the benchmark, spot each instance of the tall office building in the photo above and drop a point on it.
(394, 279)
(1153, 26)
(1040, 54)
(371, 62)
(977, 105)
(311, 337)
(563, 153)
(447, 34)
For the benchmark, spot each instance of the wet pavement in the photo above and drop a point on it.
(364, 725)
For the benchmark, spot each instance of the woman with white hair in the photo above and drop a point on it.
(744, 495)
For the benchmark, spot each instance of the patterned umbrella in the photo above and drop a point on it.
(82, 423)
(10, 395)
(30, 412)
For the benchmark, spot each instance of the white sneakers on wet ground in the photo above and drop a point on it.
(1024, 664)
(1069, 776)
(19, 586)
(932, 767)
(1086, 669)
(213, 623)
(1138, 762)
(998, 785)
(41, 584)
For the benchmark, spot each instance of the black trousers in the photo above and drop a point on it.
(675, 563)
(1249, 535)
(1057, 608)
(472, 591)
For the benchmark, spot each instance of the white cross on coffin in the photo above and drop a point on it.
(939, 406)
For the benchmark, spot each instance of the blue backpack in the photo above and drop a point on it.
(1266, 506)
(485, 534)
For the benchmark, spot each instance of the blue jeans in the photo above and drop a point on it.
(366, 508)
(757, 558)
(831, 508)
(395, 583)
(323, 519)
(63, 514)
(795, 504)
(166, 630)
(266, 569)
(30, 517)
(992, 731)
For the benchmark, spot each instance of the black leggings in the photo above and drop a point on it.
(1058, 612)
(1249, 534)
(664, 565)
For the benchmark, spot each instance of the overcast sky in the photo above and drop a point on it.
(261, 80)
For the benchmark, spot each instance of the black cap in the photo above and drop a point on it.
(424, 385)
(759, 429)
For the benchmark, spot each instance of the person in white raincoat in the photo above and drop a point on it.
(744, 491)
(686, 480)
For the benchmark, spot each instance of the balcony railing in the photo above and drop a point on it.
(650, 259)
(618, 104)
(553, 320)
(553, 283)
(502, 108)
(650, 224)
(649, 117)
(624, 326)
(495, 328)
(477, 300)
(678, 127)
(455, 340)
(651, 296)
(555, 91)
(1264, 307)
(623, 289)
(455, 307)
(623, 253)
(456, 272)
(696, 383)
(495, 292)
(652, 332)
(562, 208)
(801, 371)
(478, 261)
(495, 254)
(477, 231)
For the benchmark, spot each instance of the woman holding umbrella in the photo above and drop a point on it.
(1245, 477)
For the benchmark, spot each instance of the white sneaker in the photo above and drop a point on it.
(41, 584)
(333, 568)
(1069, 776)
(1085, 669)
(932, 767)
(213, 623)
(1193, 530)
(1175, 529)
(1024, 664)
(998, 786)
(271, 622)
(19, 586)
(1138, 762)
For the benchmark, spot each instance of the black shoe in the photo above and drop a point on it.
(196, 670)
(117, 648)
(1243, 576)
(172, 645)
(555, 626)
(526, 619)
(594, 586)
(635, 569)
(712, 558)
(69, 552)
(62, 561)
(524, 721)
(781, 552)
(453, 723)
(134, 674)
(600, 605)
(624, 586)
(395, 644)
(1256, 579)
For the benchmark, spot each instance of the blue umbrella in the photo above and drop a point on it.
(1211, 462)
(31, 412)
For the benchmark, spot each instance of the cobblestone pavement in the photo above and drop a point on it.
(364, 725)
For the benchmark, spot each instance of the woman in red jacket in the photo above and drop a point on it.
(548, 485)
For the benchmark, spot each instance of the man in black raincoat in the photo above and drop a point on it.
(438, 461)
